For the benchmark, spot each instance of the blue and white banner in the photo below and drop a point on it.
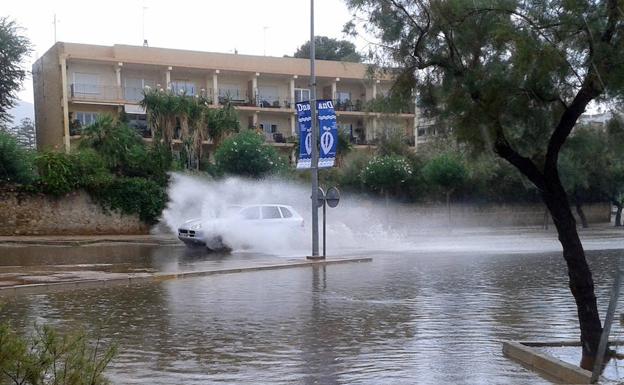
(304, 119)
(328, 132)
(326, 117)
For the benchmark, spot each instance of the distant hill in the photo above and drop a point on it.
(22, 110)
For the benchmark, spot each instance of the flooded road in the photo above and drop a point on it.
(427, 317)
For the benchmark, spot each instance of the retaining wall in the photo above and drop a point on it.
(73, 214)
(487, 215)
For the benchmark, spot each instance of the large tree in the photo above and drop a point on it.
(513, 76)
(13, 50)
(326, 48)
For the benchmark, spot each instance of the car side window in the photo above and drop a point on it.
(285, 212)
(251, 213)
(270, 212)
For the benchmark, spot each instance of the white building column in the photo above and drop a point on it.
(215, 88)
(254, 88)
(168, 78)
(293, 125)
(374, 133)
(118, 78)
(254, 119)
(292, 91)
(333, 88)
(64, 102)
(375, 82)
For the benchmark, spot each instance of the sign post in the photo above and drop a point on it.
(312, 116)
(314, 141)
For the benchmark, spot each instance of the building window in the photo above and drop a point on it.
(268, 128)
(343, 96)
(268, 96)
(183, 87)
(139, 123)
(85, 83)
(86, 118)
(230, 92)
(134, 87)
(302, 95)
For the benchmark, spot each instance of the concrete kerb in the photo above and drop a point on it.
(44, 288)
(524, 352)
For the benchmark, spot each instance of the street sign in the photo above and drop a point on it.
(328, 131)
(321, 197)
(304, 119)
(332, 197)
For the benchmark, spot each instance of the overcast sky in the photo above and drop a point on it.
(209, 25)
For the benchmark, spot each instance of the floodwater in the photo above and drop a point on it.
(428, 316)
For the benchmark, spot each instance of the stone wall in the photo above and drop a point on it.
(74, 214)
(489, 215)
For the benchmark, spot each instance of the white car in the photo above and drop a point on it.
(242, 224)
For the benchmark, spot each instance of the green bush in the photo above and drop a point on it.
(140, 196)
(47, 358)
(16, 162)
(114, 141)
(351, 170)
(387, 174)
(56, 173)
(246, 154)
(61, 173)
(447, 172)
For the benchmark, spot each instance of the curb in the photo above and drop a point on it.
(44, 288)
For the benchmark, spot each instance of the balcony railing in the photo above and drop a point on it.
(94, 92)
(273, 101)
(348, 105)
(114, 93)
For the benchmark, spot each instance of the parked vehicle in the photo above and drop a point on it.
(242, 223)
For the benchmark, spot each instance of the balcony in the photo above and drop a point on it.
(101, 93)
(273, 101)
(94, 92)
(348, 105)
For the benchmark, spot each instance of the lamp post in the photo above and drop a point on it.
(314, 142)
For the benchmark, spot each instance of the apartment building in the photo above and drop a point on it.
(73, 83)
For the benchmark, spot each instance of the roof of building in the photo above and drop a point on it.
(212, 60)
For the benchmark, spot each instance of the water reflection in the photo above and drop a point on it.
(405, 318)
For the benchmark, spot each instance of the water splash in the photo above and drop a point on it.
(358, 224)
(355, 224)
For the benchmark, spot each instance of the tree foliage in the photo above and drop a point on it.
(197, 122)
(16, 162)
(48, 358)
(14, 48)
(447, 172)
(513, 77)
(387, 174)
(246, 154)
(326, 48)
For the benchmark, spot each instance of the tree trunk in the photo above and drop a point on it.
(580, 277)
(581, 214)
(618, 216)
(448, 207)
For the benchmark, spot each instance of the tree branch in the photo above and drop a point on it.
(522, 163)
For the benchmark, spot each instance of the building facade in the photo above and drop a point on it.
(74, 83)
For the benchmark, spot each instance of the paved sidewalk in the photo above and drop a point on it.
(81, 240)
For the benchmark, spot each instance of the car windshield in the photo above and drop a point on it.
(250, 213)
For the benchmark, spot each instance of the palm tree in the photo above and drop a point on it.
(222, 122)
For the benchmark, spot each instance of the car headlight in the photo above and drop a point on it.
(196, 226)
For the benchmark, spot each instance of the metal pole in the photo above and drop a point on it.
(315, 134)
(604, 338)
(324, 227)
